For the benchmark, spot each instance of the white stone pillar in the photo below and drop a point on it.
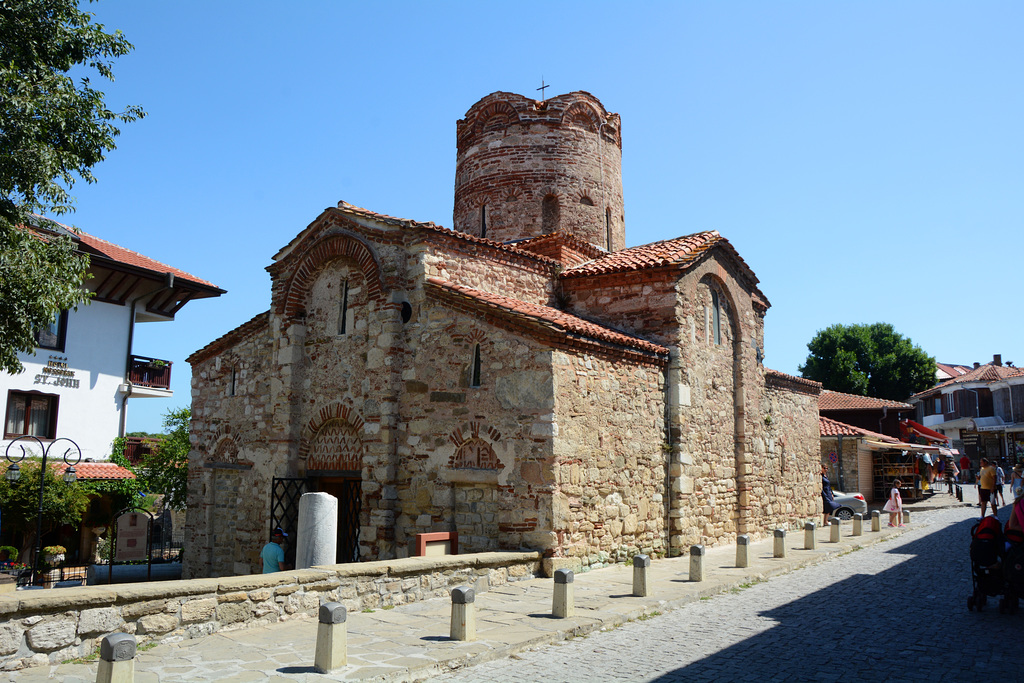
(906, 516)
(876, 520)
(563, 604)
(858, 524)
(317, 534)
(833, 530)
(331, 637)
(117, 659)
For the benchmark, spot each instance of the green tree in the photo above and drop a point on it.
(165, 469)
(52, 132)
(868, 360)
(63, 503)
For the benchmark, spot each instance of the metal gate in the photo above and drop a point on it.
(284, 503)
(348, 490)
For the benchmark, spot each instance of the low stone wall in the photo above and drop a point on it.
(50, 626)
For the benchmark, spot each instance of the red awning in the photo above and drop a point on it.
(921, 430)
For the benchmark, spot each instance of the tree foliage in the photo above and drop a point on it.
(868, 360)
(63, 503)
(52, 132)
(165, 470)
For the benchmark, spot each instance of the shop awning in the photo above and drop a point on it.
(949, 451)
(921, 430)
(901, 446)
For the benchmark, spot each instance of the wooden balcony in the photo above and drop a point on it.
(150, 372)
(136, 448)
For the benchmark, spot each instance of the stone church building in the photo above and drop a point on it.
(524, 380)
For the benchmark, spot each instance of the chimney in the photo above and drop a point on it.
(997, 359)
(977, 364)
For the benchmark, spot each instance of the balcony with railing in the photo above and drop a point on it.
(137, 448)
(152, 373)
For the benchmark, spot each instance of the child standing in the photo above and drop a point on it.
(894, 506)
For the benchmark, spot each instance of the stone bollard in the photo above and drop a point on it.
(858, 524)
(117, 659)
(876, 520)
(563, 605)
(834, 528)
(906, 516)
(780, 543)
(810, 541)
(463, 614)
(641, 575)
(331, 635)
(743, 551)
(696, 563)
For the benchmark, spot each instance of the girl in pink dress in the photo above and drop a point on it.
(894, 506)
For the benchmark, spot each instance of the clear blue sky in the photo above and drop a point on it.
(864, 158)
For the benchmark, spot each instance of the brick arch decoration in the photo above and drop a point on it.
(583, 116)
(335, 447)
(323, 251)
(495, 116)
(333, 413)
(474, 446)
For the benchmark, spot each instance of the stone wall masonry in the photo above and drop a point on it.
(532, 284)
(642, 304)
(503, 503)
(851, 463)
(609, 482)
(232, 416)
(47, 627)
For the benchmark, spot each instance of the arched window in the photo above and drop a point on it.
(549, 214)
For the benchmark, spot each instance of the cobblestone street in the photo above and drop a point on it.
(895, 611)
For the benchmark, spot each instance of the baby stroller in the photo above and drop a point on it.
(986, 563)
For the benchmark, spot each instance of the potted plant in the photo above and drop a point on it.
(54, 554)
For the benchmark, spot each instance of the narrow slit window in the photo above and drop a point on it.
(716, 315)
(608, 227)
(343, 310)
(474, 380)
(231, 385)
(483, 221)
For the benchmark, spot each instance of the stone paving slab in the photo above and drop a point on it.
(410, 642)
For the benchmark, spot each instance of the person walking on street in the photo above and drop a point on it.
(1000, 480)
(965, 468)
(986, 486)
(1017, 482)
(894, 506)
(828, 502)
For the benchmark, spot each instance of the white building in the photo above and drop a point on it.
(84, 371)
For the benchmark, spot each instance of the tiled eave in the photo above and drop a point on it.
(549, 325)
(791, 382)
(232, 338)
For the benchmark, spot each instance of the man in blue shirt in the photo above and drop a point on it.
(273, 553)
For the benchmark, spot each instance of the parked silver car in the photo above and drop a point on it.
(849, 504)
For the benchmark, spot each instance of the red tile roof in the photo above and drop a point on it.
(674, 252)
(90, 244)
(252, 326)
(982, 373)
(98, 470)
(829, 427)
(837, 400)
(564, 247)
(553, 320)
(953, 369)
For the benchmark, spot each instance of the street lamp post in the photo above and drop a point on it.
(14, 473)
